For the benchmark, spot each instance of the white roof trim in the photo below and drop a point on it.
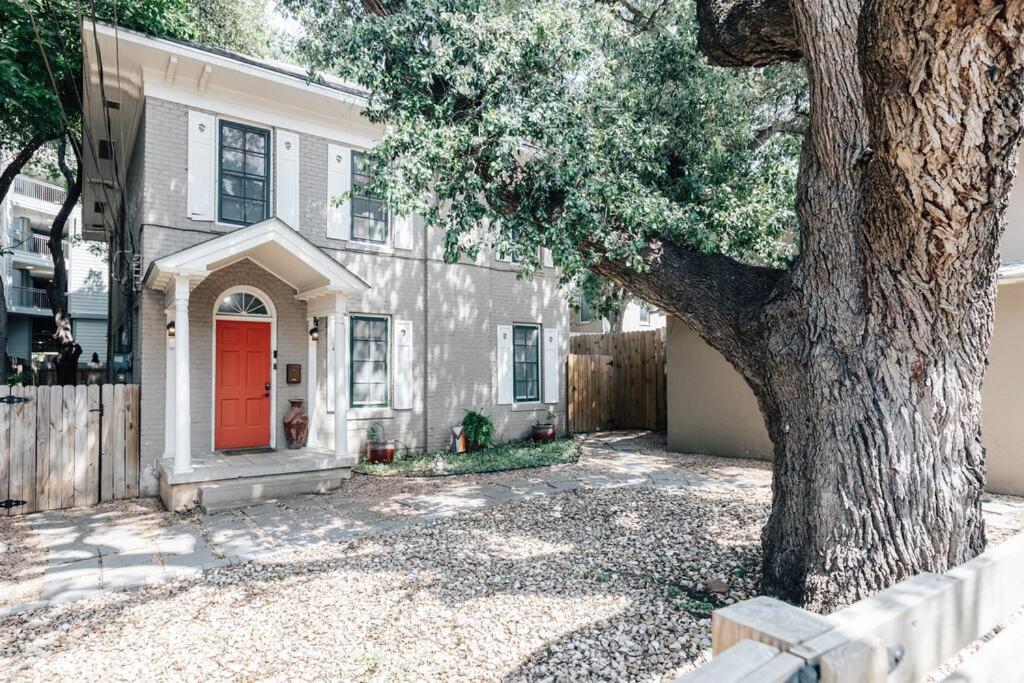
(198, 261)
(1010, 272)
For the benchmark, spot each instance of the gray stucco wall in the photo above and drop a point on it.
(454, 309)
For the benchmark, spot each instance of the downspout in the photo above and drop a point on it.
(426, 341)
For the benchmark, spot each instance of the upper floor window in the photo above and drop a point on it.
(244, 194)
(369, 211)
(645, 314)
(584, 310)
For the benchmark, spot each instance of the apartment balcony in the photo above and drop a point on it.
(28, 300)
(30, 250)
(36, 189)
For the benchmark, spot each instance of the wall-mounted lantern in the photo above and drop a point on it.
(314, 334)
(170, 329)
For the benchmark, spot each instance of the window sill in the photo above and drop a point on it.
(356, 245)
(385, 413)
(530, 407)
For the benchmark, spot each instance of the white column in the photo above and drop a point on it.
(169, 407)
(340, 381)
(311, 386)
(182, 393)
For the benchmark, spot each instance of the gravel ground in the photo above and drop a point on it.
(22, 559)
(605, 584)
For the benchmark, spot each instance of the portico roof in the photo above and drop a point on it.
(271, 244)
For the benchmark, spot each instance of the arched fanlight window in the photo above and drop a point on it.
(243, 303)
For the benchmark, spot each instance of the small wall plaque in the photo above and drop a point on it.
(293, 373)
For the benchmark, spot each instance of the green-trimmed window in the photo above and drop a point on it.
(369, 361)
(526, 362)
(244, 187)
(369, 211)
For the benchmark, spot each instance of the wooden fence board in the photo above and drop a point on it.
(117, 451)
(92, 476)
(68, 446)
(56, 450)
(42, 448)
(5, 447)
(131, 443)
(106, 444)
(18, 433)
(28, 455)
(81, 443)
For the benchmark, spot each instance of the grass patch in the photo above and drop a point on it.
(514, 455)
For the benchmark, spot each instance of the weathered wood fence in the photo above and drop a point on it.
(617, 381)
(900, 635)
(65, 446)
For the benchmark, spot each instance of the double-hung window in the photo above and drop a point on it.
(369, 361)
(645, 314)
(369, 211)
(526, 362)
(244, 193)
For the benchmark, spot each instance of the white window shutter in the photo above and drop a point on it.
(330, 363)
(545, 254)
(202, 156)
(504, 365)
(403, 365)
(552, 368)
(403, 226)
(339, 181)
(288, 177)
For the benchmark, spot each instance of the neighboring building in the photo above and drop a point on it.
(255, 290)
(712, 410)
(638, 316)
(25, 219)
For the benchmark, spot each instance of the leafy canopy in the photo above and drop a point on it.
(565, 124)
(36, 105)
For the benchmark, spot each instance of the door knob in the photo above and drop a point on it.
(266, 386)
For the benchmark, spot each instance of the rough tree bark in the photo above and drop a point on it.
(867, 355)
(68, 351)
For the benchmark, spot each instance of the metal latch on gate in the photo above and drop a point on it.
(11, 503)
(11, 398)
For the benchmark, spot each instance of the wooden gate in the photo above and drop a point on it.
(65, 446)
(625, 390)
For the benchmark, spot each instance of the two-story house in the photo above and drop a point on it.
(638, 316)
(257, 286)
(25, 219)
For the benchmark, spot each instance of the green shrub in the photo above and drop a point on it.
(479, 429)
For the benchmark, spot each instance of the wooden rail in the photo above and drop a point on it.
(66, 446)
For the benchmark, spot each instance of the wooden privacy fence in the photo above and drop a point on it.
(617, 381)
(65, 446)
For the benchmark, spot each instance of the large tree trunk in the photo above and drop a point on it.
(68, 350)
(867, 356)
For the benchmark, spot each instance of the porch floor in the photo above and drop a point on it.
(219, 466)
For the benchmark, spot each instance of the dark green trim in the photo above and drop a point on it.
(268, 161)
(351, 360)
(537, 360)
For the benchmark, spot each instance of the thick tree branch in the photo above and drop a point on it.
(795, 125)
(12, 169)
(720, 298)
(747, 32)
(67, 359)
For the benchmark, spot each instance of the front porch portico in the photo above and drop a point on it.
(245, 337)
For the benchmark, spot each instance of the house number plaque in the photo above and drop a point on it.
(293, 373)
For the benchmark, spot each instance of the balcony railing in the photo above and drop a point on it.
(38, 190)
(31, 242)
(29, 297)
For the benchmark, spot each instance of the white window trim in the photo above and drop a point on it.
(271, 172)
(389, 241)
(366, 411)
(539, 401)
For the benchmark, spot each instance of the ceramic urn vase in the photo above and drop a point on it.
(296, 424)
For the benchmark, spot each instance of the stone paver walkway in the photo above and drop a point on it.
(91, 551)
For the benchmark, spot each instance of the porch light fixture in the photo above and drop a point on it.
(314, 334)
(170, 329)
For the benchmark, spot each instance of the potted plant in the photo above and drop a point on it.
(545, 431)
(479, 430)
(378, 449)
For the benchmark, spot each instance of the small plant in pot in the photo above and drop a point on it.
(545, 431)
(378, 449)
(479, 430)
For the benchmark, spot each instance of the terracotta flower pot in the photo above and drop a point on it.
(543, 433)
(380, 451)
(296, 424)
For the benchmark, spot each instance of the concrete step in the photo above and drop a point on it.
(236, 493)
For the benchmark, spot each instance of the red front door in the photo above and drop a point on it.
(242, 392)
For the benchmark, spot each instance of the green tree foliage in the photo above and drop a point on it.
(583, 126)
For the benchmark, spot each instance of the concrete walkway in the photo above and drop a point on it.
(98, 550)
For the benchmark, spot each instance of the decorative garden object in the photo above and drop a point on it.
(545, 431)
(296, 424)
